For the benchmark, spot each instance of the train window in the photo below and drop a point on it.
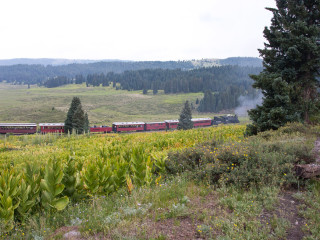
(129, 126)
(16, 127)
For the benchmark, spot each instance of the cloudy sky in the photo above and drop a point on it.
(132, 29)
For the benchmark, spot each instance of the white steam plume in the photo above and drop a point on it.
(247, 103)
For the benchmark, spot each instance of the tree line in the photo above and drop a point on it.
(38, 74)
(94, 80)
(228, 99)
(216, 79)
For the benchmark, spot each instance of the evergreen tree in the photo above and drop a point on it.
(79, 79)
(155, 88)
(68, 124)
(78, 120)
(185, 118)
(86, 123)
(145, 91)
(207, 103)
(155, 91)
(291, 66)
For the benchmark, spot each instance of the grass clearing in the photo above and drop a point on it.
(103, 104)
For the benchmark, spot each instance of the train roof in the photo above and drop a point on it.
(193, 119)
(153, 122)
(18, 124)
(100, 126)
(170, 121)
(200, 119)
(127, 123)
(51, 124)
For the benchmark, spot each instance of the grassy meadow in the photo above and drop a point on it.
(210, 183)
(104, 105)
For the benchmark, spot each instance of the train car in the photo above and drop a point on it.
(18, 128)
(51, 127)
(100, 129)
(128, 126)
(154, 126)
(171, 124)
(201, 122)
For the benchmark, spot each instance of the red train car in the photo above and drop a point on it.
(171, 124)
(127, 126)
(51, 127)
(201, 122)
(154, 126)
(18, 128)
(101, 129)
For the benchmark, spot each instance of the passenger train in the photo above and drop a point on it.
(31, 128)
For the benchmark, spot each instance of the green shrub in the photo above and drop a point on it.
(189, 159)
(267, 158)
(185, 160)
(294, 127)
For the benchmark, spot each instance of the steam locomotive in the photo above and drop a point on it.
(31, 128)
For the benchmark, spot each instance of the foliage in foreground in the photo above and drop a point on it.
(47, 175)
(123, 215)
(249, 162)
(311, 205)
(223, 208)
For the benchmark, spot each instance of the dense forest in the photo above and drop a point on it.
(37, 74)
(216, 79)
(32, 73)
(227, 99)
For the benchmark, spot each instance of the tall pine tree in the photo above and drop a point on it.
(86, 123)
(68, 124)
(78, 120)
(291, 66)
(185, 118)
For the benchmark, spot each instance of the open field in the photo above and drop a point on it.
(103, 104)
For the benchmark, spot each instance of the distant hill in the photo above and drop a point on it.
(237, 61)
(240, 61)
(34, 74)
(49, 61)
(34, 71)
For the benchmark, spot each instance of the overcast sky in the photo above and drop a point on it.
(132, 29)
